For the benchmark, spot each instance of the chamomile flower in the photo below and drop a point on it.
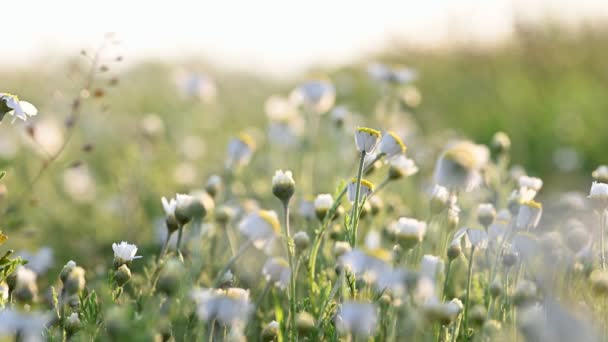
(366, 265)
(599, 194)
(240, 151)
(407, 231)
(529, 215)
(391, 145)
(11, 105)
(532, 183)
(440, 196)
(359, 319)
(366, 189)
(283, 185)
(323, 204)
(277, 272)
(124, 253)
(486, 213)
(317, 96)
(477, 238)
(459, 166)
(401, 166)
(366, 139)
(261, 228)
(397, 75)
(445, 313)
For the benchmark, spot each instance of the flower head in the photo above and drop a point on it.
(366, 139)
(486, 214)
(124, 253)
(317, 96)
(529, 215)
(459, 166)
(11, 105)
(262, 228)
(230, 307)
(401, 166)
(599, 193)
(367, 188)
(277, 272)
(240, 151)
(323, 204)
(601, 174)
(407, 231)
(283, 185)
(391, 145)
(366, 265)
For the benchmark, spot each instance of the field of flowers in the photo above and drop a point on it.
(461, 200)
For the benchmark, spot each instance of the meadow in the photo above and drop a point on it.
(428, 194)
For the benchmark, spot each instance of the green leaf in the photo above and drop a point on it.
(2, 173)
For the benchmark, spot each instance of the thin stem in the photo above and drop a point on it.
(447, 276)
(163, 251)
(292, 282)
(180, 232)
(355, 212)
(468, 294)
(602, 242)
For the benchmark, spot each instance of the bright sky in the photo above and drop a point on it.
(269, 35)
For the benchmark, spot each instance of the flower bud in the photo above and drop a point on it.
(224, 214)
(170, 277)
(509, 259)
(501, 143)
(305, 323)
(496, 288)
(322, 205)
(454, 250)
(271, 331)
(376, 205)
(453, 217)
(301, 240)
(478, 315)
(439, 199)
(283, 185)
(66, 270)
(214, 185)
(75, 282)
(486, 214)
(525, 292)
(122, 275)
(599, 283)
(341, 247)
(491, 328)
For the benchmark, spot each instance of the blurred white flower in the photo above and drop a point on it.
(192, 147)
(430, 267)
(401, 166)
(533, 183)
(39, 262)
(262, 228)
(48, 137)
(407, 231)
(306, 209)
(152, 125)
(11, 105)
(477, 238)
(124, 252)
(230, 307)
(322, 204)
(366, 265)
(601, 174)
(391, 145)
(277, 272)
(29, 325)
(169, 206)
(373, 240)
(397, 75)
(366, 139)
(195, 85)
(359, 319)
(459, 166)
(79, 184)
(316, 95)
(240, 151)
(279, 109)
(185, 173)
(599, 192)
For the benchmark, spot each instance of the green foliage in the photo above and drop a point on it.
(8, 265)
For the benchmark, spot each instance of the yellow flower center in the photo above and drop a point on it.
(369, 131)
(271, 219)
(462, 154)
(247, 140)
(364, 182)
(532, 204)
(397, 140)
(379, 253)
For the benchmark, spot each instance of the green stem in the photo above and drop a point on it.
(355, 212)
(447, 276)
(180, 233)
(468, 294)
(292, 282)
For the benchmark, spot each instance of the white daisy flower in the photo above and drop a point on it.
(283, 185)
(486, 213)
(124, 252)
(169, 206)
(240, 151)
(277, 272)
(528, 182)
(262, 228)
(529, 215)
(391, 145)
(11, 105)
(407, 231)
(366, 189)
(401, 166)
(323, 203)
(440, 196)
(601, 174)
(459, 166)
(359, 319)
(366, 139)
(445, 313)
(477, 238)
(599, 193)
(316, 95)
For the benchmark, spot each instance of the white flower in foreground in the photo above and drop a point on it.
(529, 215)
(533, 183)
(277, 272)
(262, 228)
(486, 213)
(401, 166)
(444, 313)
(459, 166)
(599, 194)
(316, 95)
(124, 252)
(230, 307)
(407, 231)
(391, 145)
(11, 105)
(169, 206)
(366, 139)
(601, 174)
(366, 189)
(359, 319)
(240, 151)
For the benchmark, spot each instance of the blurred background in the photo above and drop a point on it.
(537, 70)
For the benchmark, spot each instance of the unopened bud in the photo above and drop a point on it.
(301, 240)
(122, 275)
(305, 323)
